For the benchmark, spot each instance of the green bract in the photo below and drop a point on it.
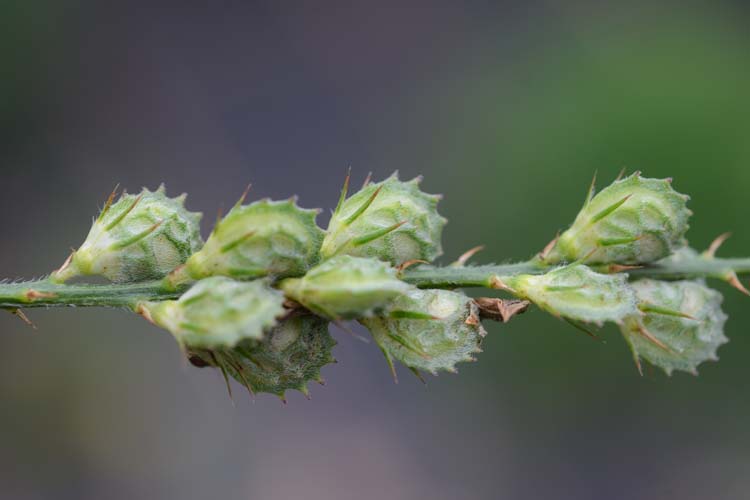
(135, 239)
(633, 221)
(346, 287)
(682, 325)
(392, 221)
(290, 356)
(218, 312)
(265, 238)
(577, 293)
(429, 330)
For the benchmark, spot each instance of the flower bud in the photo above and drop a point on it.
(290, 356)
(429, 330)
(137, 238)
(346, 287)
(391, 221)
(577, 293)
(632, 221)
(217, 312)
(265, 238)
(682, 324)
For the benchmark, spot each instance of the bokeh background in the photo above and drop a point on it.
(507, 108)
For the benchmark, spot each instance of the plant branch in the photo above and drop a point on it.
(43, 293)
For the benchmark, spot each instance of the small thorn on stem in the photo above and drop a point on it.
(710, 253)
(23, 317)
(464, 258)
(621, 174)
(735, 282)
(496, 283)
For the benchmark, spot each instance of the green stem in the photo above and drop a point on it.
(44, 293)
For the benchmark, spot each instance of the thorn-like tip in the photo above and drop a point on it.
(461, 261)
(735, 282)
(710, 253)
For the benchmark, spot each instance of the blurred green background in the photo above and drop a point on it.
(508, 108)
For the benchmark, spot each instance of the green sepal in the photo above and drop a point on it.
(577, 293)
(218, 312)
(682, 325)
(452, 334)
(634, 220)
(266, 238)
(139, 237)
(392, 220)
(291, 355)
(346, 287)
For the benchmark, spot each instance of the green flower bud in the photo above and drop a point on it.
(290, 356)
(633, 221)
(137, 238)
(682, 324)
(265, 238)
(577, 293)
(217, 312)
(392, 221)
(429, 330)
(346, 287)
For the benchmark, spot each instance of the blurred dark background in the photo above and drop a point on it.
(507, 108)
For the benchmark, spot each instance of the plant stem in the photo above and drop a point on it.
(44, 293)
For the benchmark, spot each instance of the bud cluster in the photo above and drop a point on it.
(256, 299)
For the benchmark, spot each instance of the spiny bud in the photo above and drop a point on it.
(290, 356)
(681, 326)
(632, 221)
(137, 238)
(217, 312)
(265, 238)
(429, 330)
(392, 221)
(346, 287)
(576, 293)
